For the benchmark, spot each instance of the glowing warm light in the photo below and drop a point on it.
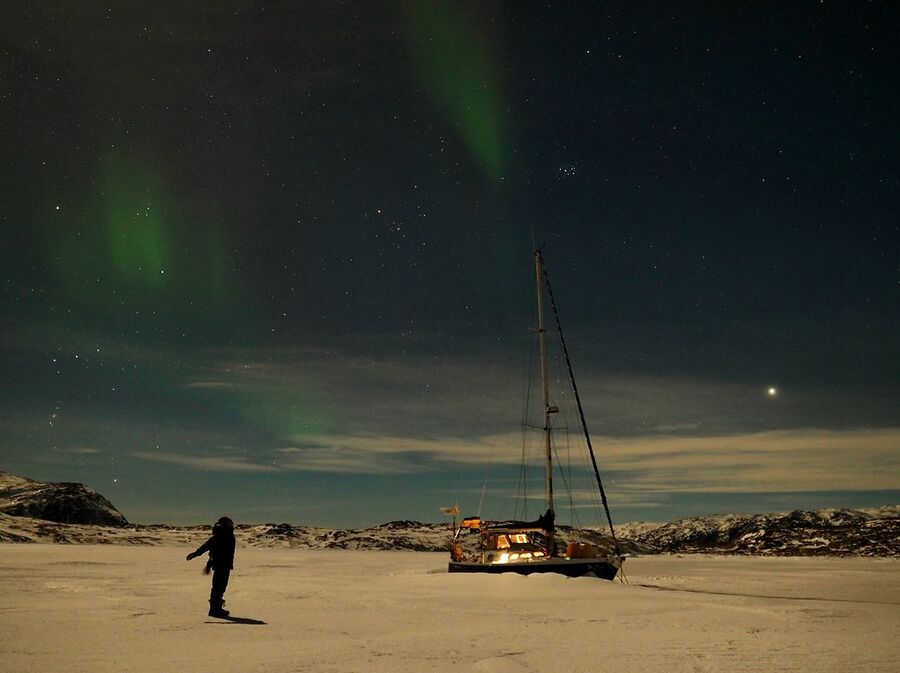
(772, 391)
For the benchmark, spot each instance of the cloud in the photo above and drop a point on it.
(344, 410)
(808, 459)
(394, 455)
(784, 460)
(672, 427)
(206, 463)
(215, 385)
(368, 389)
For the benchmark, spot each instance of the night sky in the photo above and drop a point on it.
(275, 260)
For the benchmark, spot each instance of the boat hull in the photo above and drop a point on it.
(602, 568)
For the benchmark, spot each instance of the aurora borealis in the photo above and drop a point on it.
(274, 259)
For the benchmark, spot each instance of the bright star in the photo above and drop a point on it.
(772, 391)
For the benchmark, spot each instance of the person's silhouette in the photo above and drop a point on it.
(221, 560)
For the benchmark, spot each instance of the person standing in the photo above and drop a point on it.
(221, 560)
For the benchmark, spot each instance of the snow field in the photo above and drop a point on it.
(99, 608)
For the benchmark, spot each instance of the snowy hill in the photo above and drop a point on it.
(60, 502)
(827, 532)
(72, 513)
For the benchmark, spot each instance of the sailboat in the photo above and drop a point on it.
(526, 547)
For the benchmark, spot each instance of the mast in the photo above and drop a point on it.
(545, 384)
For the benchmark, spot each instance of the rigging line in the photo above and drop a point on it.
(568, 482)
(575, 517)
(593, 494)
(587, 435)
(567, 404)
(481, 501)
(559, 403)
(568, 488)
(522, 486)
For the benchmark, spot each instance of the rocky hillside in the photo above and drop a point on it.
(59, 502)
(874, 532)
(828, 532)
(72, 513)
(408, 535)
(823, 533)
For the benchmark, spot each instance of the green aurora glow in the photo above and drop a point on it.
(135, 247)
(460, 73)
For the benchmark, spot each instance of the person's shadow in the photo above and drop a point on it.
(237, 620)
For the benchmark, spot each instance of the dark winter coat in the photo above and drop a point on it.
(220, 547)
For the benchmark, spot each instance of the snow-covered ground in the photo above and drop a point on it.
(98, 608)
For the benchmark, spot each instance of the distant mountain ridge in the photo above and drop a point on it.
(82, 516)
